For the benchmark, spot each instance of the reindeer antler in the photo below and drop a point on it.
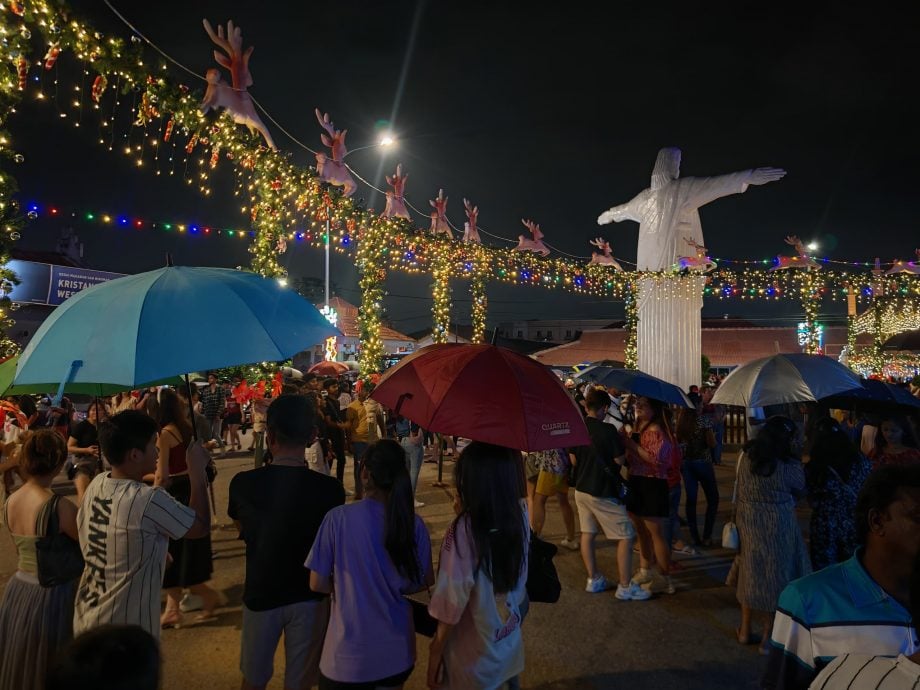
(693, 243)
(598, 242)
(236, 60)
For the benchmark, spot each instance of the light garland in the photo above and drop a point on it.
(631, 308)
(286, 202)
(440, 291)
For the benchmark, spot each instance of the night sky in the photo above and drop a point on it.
(553, 115)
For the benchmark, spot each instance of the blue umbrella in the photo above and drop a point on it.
(638, 383)
(170, 321)
(874, 395)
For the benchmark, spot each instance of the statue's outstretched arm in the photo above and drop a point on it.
(627, 211)
(699, 191)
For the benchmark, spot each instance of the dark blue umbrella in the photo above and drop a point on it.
(638, 383)
(875, 395)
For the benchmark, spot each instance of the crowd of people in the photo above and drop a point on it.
(835, 606)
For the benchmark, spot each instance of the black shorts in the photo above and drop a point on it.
(393, 681)
(648, 497)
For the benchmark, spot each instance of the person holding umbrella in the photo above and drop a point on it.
(650, 452)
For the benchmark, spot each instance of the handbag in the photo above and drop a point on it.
(58, 556)
(425, 623)
(542, 579)
(730, 537)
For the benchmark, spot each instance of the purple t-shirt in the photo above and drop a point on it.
(370, 634)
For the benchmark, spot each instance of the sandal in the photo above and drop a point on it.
(207, 610)
(171, 619)
(687, 550)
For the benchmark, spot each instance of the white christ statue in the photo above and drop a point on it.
(667, 212)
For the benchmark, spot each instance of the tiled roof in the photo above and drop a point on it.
(725, 347)
(348, 321)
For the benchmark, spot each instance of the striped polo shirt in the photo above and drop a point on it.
(836, 611)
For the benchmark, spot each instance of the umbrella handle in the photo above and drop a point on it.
(402, 399)
(191, 410)
(74, 367)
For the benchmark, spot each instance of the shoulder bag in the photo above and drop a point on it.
(542, 579)
(730, 538)
(59, 557)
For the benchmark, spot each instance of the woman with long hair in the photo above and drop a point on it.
(35, 621)
(895, 444)
(697, 440)
(834, 474)
(191, 558)
(371, 553)
(482, 574)
(772, 551)
(650, 454)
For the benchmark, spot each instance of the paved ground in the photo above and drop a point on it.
(585, 640)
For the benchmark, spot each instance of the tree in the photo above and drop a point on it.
(706, 367)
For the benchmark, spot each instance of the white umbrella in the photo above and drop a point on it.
(787, 378)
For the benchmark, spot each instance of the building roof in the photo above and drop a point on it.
(41, 257)
(348, 322)
(725, 347)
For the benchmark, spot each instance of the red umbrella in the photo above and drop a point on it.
(485, 393)
(328, 369)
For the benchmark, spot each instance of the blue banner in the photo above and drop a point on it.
(67, 281)
(49, 284)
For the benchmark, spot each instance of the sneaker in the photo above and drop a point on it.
(597, 584)
(570, 544)
(660, 584)
(349, 492)
(632, 592)
(642, 576)
(419, 504)
(190, 602)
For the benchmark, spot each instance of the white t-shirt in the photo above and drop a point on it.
(864, 672)
(124, 528)
(485, 647)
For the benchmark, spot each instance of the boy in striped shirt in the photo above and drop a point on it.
(125, 526)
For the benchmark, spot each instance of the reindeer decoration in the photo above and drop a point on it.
(905, 266)
(536, 244)
(701, 261)
(333, 170)
(800, 261)
(233, 98)
(470, 231)
(439, 224)
(396, 203)
(606, 258)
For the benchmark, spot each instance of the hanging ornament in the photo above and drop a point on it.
(25, 33)
(147, 110)
(19, 158)
(55, 28)
(215, 156)
(17, 8)
(52, 55)
(99, 84)
(167, 134)
(276, 185)
(192, 143)
(254, 212)
(281, 246)
(22, 69)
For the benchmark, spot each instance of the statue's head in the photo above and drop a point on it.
(667, 167)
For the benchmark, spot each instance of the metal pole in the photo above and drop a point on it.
(327, 258)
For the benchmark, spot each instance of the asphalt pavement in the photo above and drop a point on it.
(589, 641)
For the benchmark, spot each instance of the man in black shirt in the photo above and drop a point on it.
(599, 494)
(335, 425)
(278, 509)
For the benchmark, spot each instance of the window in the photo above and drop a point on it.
(568, 335)
(539, 335)
(549, 335)
(520, 334)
